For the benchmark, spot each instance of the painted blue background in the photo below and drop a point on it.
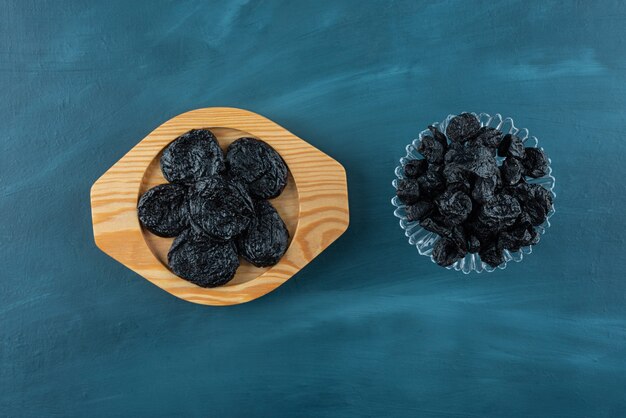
(369, 328)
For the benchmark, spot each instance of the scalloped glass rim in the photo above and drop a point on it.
(424, 240)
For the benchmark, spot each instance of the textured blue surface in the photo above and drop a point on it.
(369, 328)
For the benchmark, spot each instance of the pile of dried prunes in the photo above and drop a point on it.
(460, 192)
(216, 206)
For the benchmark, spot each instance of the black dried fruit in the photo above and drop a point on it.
(435, 225)
(432, 182)
(536, 163)
(492, 255)
(439, 136)
(473, 244)
(163, 211)
(446, 252)
(488, 137)
(202, 261)
(221, 208)
(419, 210)
(192, 156)
(511, 146)
(415, 168)
(537, 202)
(511, 171)
(432, 150)
(266, 239)
(500, 212)
(484, 189)
(260, 167)
(462, 127)
(408, 191)
(455, 207)
(478, 161)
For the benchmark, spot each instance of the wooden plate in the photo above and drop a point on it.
(314, 205)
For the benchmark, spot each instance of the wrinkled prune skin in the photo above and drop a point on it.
(435, 225)
(419, 210)
(492, 255)
(193, 155)
(163, 210)
(432, 182)
(488, 137)
(415, 168)
(479, 161)
(439, 136)
(514, 239)
(259, 166)
(537, 202)
(473, 244)
(266, 240)
(500, 212)
(446, 252)
(408, 191)
(219, 207)
(484, 189)
(202, 261)
(535, 163)
(432, 150)
(511, 171)
(511, 146)
(462, 127)
(455, 207)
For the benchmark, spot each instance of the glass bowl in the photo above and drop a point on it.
(424, 240)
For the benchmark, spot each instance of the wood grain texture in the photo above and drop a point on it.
(314, 205)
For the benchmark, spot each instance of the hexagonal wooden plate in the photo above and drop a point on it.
(314, 205)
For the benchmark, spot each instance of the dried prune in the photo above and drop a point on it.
(202, 261)
(432, 150)
(492, 255)
(415, 168)
(454, 206)
(435, 225)
(514, 239)
(266, 239)
(432, 182)
(511, 171)
(484, 189)
(408, 191)
(537, 202)
(535, 163)
(478, 161)
(446, 252)
(163, 211)
(439, 136)
(192, 156)
(260, 167)
(473, 244)
(462, 127)
(488, 137)
(511, 146)
(500, 212)
(419, 210)
(220, 207)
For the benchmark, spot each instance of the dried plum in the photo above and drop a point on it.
(419, 210)
(468, 198)
(163, 211)
(511, 171)
(446, 252)
(202, 261)
(492, 255)
(192, 156)
(432, 150)
(220, 207)
(266, 239)
(415, 168)
(259, 166)
(454, 206)
(408, 191)
(511, 146)
(535, 162)
(462, 127)
(500, 212)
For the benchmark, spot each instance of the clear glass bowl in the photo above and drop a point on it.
(424, 240)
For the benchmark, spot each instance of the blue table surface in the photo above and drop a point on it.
(369, 328)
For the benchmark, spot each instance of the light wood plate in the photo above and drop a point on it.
(314, 205)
